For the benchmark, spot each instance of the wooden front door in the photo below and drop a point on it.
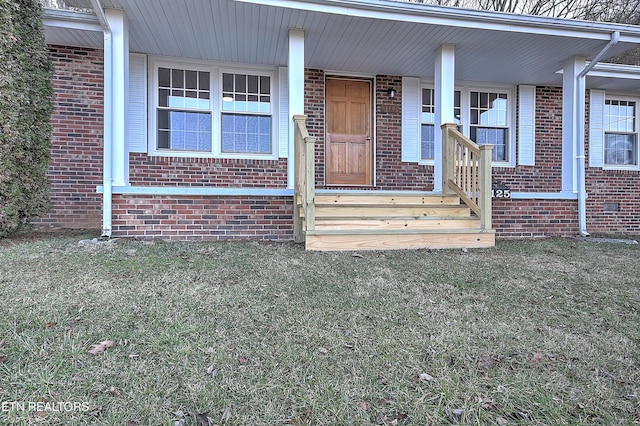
(349, 145)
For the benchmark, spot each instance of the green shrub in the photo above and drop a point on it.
(25, 110)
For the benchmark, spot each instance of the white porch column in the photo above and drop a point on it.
(118, 92)
(444, 99)
(571, 116)
(295, 69)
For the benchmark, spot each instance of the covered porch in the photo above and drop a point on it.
(459, 217)
(445, 198)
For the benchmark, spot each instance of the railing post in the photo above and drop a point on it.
(298, 159)
(485, 187)
(310, 183)
(304, 179)
(448, 158)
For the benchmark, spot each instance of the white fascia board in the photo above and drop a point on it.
(71, 20)
(461, 18)
(629, 72)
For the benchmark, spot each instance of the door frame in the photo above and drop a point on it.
(371, 79)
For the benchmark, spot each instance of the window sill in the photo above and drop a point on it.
(196, 154)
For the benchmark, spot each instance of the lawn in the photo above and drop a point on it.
(540, 332)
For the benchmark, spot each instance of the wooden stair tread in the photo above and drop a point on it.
(390, 211)
(329, 231)
(372, 199)
(398, 223)
(398, 241)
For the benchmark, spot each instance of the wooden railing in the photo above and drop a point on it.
(467, 172)
(304, 179)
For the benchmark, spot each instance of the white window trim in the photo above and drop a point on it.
(465, 90)
(605, 165)
(215, 71)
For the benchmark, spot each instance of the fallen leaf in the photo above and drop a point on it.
(425, 377)
(323, 351)
(213, 371)
(485, 363)
(363, 405)
(537, 357)
(243, 360)
(227, 414)
(502, 421)
(202, 419)
(132, 423)
(51, 324)
(101, 347)
(41, 413)
(3, 358)
(112, 391)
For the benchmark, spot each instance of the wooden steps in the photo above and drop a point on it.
(385, 221)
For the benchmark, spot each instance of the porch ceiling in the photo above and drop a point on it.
(378, 37)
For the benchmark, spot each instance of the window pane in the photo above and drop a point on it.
(427, 150)
(246, 93)
(163, 139)
(244, 133)
(187, 131)
(204, 81)
(240, 83)
(191, 78)
(621, 149)
(253, 84)
(164, 77)
(496, 137)
(163, 120)
(489, 109)
(163, 97)
(177, 78)
(619, 116)
(265, 85)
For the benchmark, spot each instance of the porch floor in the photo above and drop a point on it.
(383, 220)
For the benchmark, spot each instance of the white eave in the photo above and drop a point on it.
(69, 28)
(370, 37)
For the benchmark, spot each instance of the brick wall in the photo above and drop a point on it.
(546, 174)
(203, 217)
(76, 141)
(206, 172)
(613, 201)
(391, 172)
(314, 110)
(76, 170)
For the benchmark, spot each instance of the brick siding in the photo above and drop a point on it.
(206, 172)
(203, 217)
(76, 171)
(76, 141)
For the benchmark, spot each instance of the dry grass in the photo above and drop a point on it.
(532, 332)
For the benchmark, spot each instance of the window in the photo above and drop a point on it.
(428, 119)
(184, 110)
(488, 123)
(201, 110)
(621, 136)
(485, 116)
(246, 113)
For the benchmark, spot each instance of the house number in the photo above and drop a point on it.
(501, 193)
